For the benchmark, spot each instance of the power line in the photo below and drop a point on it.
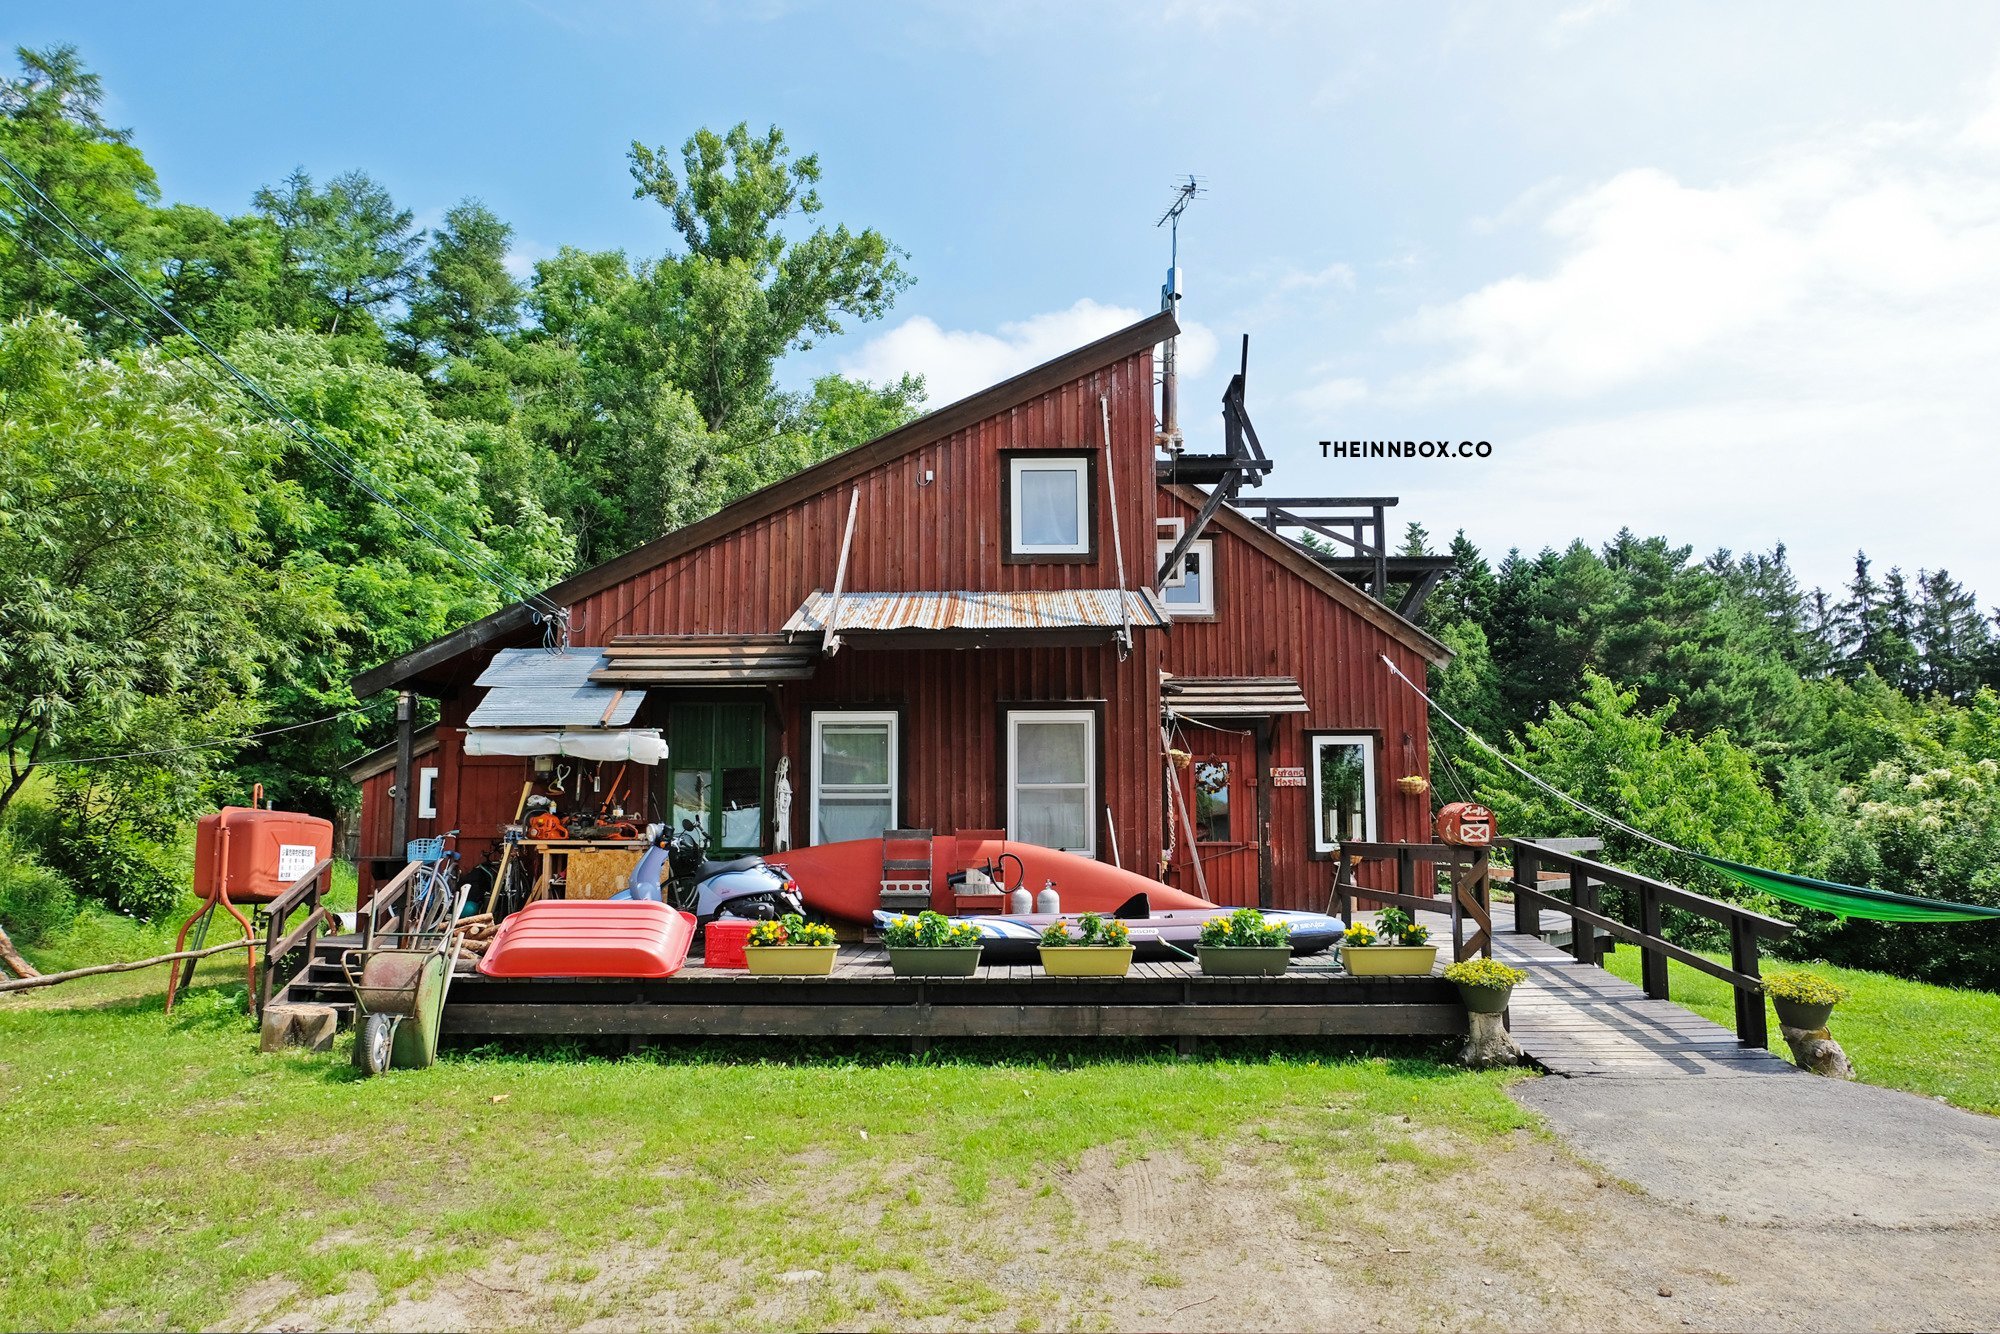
(215, 744)
(477, 563)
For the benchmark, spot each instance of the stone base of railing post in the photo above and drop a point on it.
(1488, 1044)
(1814, 1049)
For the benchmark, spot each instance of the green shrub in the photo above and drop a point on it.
(35, 902)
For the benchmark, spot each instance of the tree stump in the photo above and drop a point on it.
(1488, 1044)
(308, 1026)
(11, 958)
(1815, 1050)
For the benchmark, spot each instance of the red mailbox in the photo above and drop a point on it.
(1465, 823)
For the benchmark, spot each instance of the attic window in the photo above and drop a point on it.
(1051, 509)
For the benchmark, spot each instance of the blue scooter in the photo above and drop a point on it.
(746, 887)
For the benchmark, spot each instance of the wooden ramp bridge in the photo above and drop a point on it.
(1571, 1016)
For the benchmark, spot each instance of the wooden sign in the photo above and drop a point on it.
(1288, 776)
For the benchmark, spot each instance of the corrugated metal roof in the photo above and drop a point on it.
(530, 687)
(1232, 696)
(684, 660)
(1030, 609)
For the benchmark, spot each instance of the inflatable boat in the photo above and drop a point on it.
(1157, 934)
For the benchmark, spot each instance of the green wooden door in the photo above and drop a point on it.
(715, 753)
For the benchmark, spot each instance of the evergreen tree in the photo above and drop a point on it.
(1954, 643)
(466, 294)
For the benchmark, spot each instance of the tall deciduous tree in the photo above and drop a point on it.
(465, 295)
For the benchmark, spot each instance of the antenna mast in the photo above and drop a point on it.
(1169, 437)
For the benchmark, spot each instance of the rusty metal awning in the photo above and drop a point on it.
(1232, 696)
(1085, 615)
(705, 660)
(531, 687)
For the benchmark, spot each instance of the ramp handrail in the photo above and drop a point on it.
(306, 891)
(1586, 878)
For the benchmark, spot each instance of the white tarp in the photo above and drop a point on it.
(638, 744)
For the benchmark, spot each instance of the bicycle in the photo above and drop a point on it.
(433, 892)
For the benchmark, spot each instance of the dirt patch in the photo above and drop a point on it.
(1520, 1236)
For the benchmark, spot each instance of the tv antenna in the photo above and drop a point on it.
(1169, 435)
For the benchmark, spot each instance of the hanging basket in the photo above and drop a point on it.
(1414, 784)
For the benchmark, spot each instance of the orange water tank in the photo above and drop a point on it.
(1465, 823)
(257, 854)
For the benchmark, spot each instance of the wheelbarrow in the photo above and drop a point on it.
(399, 995)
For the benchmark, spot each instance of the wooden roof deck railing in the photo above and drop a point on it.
(1586, 880)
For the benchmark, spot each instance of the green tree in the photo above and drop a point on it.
(744, 293)
(347, 253)
(52, 126)
(377, 587)
(131, 619)
(465, 295)
(1954, 641)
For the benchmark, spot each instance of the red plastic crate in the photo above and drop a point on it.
(726, 938)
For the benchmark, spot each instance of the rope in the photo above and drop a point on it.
(1549, 788)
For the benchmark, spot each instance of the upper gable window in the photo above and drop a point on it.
(1051, 509)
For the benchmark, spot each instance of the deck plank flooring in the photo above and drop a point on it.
(1578, 1020)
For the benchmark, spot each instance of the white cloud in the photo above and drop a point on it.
(1804, 351)
(959, 362)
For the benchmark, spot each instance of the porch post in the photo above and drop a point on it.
(405, 744)
(1263, 766)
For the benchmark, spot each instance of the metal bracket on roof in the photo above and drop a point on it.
(1242, 461)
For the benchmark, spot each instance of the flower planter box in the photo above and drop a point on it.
(1799, 1015)
(1244, 960)
(1388, 960)
(949, 961)
(790, 960)
(1086, 960)
(1484, 1000)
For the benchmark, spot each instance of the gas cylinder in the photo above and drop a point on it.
(1047, 901)
(1020, 902)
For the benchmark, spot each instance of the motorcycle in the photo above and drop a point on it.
(746, 887)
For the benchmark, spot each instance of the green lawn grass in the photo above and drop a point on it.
(1939, 1041)
(157, 1166)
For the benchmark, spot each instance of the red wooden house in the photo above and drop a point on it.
(1004, 653)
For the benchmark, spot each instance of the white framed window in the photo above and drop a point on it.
(1189, 588)
(1048, 505)
(427, 806)
(854, 775)
(1342, 773)
(1052, 778)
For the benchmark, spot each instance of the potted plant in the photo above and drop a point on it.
(1101, 947)
(1414, 784)
(932, 945)
(790, 947)
(1394, 947)
(1802, 1000)
(1484, 984)
(1243, 944)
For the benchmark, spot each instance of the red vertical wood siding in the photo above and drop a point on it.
(933, 520)
(1272, 622)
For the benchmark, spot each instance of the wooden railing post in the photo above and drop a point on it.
(1583, 935)
(1652, 963)
(1406, 871)
(1527, 912)
(1751, 1029)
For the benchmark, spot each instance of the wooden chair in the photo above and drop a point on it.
(906, 870)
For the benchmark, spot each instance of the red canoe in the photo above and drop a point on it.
(844, 880)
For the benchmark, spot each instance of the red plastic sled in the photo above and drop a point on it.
(590, 939)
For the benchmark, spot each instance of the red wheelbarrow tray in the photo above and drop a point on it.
(588, 938)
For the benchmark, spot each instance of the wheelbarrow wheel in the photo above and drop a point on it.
(374, 1044)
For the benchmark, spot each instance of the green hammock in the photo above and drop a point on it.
(1876, 905)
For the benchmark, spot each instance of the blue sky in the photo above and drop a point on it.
(1726, 272)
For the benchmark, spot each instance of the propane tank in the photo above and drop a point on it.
(1047, 901)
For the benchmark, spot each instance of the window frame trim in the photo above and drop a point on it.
(1371, 787)
(1185, 611)
(814, 721)
(1091, 715)
(1010, 550)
